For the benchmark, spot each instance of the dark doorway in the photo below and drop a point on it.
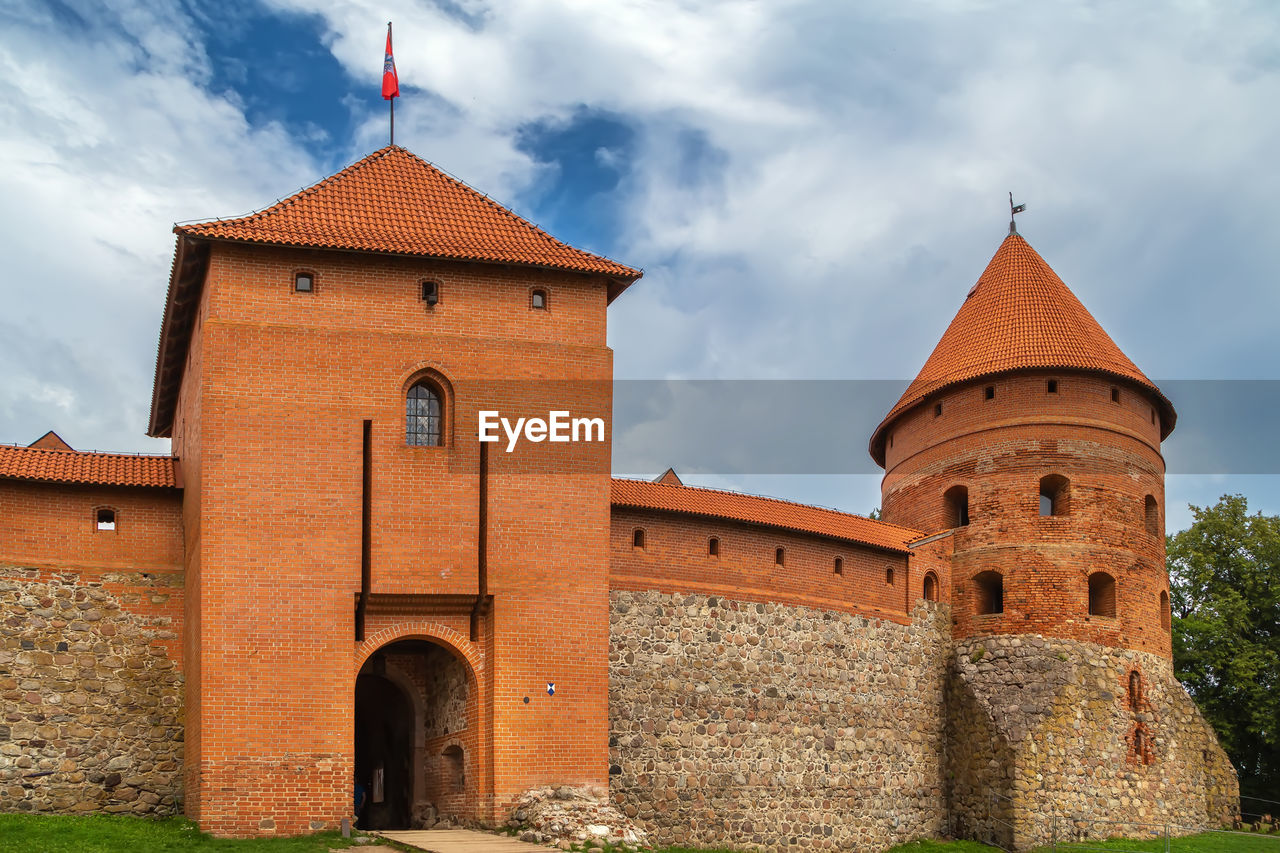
(384, 752)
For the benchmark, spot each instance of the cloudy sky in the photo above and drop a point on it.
(810, 187)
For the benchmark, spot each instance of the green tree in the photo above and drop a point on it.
(1224, 573)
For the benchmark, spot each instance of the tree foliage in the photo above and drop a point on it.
(1224, 574)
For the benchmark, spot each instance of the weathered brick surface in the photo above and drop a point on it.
(754, 725)
(1000, 449)
(1044, 733)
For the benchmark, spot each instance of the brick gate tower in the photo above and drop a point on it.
(367, 592)
(1035, 441)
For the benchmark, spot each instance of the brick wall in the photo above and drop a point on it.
(271, 409)
(91, 691)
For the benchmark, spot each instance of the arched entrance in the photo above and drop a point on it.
(415, 721)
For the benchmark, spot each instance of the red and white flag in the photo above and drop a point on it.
(390, 82)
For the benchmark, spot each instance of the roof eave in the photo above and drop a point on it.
(1168, 415)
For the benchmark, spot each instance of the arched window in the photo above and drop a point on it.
(713, 547)
(989, 587)
(1152, 510)
(637, 538)
(888, 575)
(1135, 690)
(1054, 493)
(423, 416)
(1102, 594)
(780, 556)
(1164, 610)
(930, 587)
(956, 499)
(839, 566)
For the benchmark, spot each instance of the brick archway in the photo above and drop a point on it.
(470, 747)
(421, 630)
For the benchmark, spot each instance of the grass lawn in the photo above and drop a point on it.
(1208, 842)
(114, 834)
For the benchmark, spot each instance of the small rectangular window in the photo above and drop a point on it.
(1115, 395)
(990, 393)
(106, 519)
(713, 547)
(937, 409)
(430, 292)
(839, 567)
(304, 282)
(1053, 386)
(538, 300)
(637, 538)
(780, 557)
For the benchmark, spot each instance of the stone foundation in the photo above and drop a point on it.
(1087, 740)
(764, 726)
(90, 702)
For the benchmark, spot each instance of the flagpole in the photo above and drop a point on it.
(391, 101)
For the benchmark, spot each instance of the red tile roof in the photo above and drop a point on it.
(771, 512)
(70, 466)
(1018, 316)
(393, 201)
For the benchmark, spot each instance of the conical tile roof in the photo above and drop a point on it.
(1019, 316)
(394, 201)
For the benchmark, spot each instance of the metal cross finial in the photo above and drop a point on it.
(1014, 209)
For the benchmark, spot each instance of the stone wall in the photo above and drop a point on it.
(1095, 740)
(754, 725)
(90, 700)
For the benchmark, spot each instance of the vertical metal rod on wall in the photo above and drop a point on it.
(366, 488)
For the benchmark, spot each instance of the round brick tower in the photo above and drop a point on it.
(1031, 435)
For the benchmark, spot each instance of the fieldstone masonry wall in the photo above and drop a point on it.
(765, 725)
(90, 702)
(1094, 740)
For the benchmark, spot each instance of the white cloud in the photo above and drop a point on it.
(812, 188)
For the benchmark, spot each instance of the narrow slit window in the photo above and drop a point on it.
(1115, 395)
(780, 556)
(989, 393)
(937, 409)
(956, 500)
(1151, 515)
(1102, 594)
(1135, 690)
(538, 300)
(1054, 495)
(990, 593)
(839, 566)
(1052, 387)
(304, 282)
(1164, 610)
(888, 575)
(106, 519)
(713, 547)
(430, 292)
(637, 538)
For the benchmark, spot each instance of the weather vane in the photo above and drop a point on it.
(1014, 209)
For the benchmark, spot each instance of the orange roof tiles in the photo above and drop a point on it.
(393, 201)
(70, 466)
(771, 512)
(1019, 315)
